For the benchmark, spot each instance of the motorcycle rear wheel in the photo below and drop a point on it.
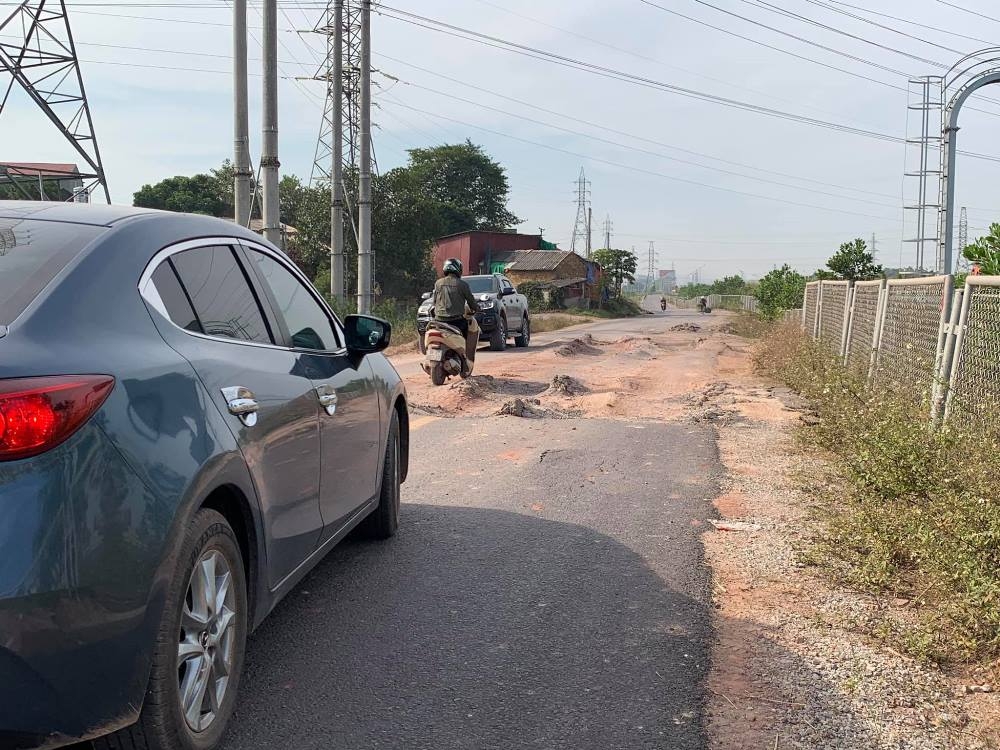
(438, 375)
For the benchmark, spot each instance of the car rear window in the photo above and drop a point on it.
(480, 284)
(31, 254)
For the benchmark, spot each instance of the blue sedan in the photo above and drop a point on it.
(186, 429)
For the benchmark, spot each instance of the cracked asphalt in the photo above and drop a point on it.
(546, 590)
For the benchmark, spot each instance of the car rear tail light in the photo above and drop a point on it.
(36, 414)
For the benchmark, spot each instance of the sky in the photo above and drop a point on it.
(716, 188)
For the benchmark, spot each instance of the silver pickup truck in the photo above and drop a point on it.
(503, 312)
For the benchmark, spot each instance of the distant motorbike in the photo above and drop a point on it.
(447, 353)
(703, 307)
(663, 304)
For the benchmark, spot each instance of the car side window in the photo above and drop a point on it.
(309, 325)
(174, 298)
(220, 294)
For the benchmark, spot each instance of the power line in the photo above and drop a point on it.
(968, 10)
(640, 170)
(540, 108)
(607, 72)
(618, 144)
(914, 23)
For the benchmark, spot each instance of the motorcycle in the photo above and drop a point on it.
(663, 305)
(447, 352)
(703, 307)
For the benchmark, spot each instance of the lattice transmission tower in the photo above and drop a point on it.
(581, 229)
(961, 262)
(37, 51)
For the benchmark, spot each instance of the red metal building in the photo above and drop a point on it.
(477, 249)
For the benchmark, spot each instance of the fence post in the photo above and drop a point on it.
(937, 389)
(963, 322)
(951, 332)
(883, 301)
(819, 311)
(848, 314)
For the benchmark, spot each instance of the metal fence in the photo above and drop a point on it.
(863, 325)
(919, 336)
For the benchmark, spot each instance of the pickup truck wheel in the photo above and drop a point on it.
(498, 339)
(524, 338)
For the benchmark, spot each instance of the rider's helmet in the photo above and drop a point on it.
(452, 265)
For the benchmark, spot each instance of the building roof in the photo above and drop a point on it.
(45, 169)
(538, 260)
(485, 231)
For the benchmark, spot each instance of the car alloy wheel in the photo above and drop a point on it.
(205, 649)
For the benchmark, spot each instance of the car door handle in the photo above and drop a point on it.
(241, 402)
(327, 398)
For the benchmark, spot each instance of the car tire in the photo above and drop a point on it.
(524, 338)
(383, 522)
(498, 339)
(209, 550)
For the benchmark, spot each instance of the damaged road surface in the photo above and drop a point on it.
(546, 589)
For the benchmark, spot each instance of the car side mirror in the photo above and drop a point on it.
(366, 334)
(426, 296)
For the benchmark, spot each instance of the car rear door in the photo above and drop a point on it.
(510, 305)
(260, 387)
(350, 425)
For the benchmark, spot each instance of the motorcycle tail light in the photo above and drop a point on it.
(37, 414)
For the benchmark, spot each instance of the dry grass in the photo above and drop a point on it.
(917, 514)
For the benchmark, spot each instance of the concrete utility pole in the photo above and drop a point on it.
(269, 157)
(336, 96)
(590, 217)
(365, 176)
(241, 116)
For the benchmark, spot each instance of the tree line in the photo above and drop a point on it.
(439, 191)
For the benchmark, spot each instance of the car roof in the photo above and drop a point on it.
(93, 214)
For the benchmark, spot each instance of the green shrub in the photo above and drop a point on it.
(916, 514)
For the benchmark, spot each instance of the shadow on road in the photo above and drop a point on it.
(478, 628)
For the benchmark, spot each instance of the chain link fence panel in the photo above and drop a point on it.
(975, 372)
(909, 345)
(835, 296)
(865, 307)
(810, 307)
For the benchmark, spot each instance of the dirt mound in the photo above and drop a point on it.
(691, 327)
(566, 385)
(531, 408)
(581, 345)
(476, 386)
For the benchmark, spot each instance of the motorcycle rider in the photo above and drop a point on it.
(451, 295)
(702, 304)
(663, 303)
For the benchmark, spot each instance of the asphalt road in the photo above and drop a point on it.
(546, 590)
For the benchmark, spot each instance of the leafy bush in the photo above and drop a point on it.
(540, 296)
(919, 516)
(781, 289)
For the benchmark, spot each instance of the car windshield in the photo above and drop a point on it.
(31, 254)
(480, 284)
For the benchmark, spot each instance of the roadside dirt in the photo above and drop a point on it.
(789, 670)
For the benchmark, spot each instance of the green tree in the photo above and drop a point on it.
(198, 194)
(618, 267)
(986, 252)
(779, 290)
(729, 285)
(692, 290)
(470, 188)
(853, 262)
